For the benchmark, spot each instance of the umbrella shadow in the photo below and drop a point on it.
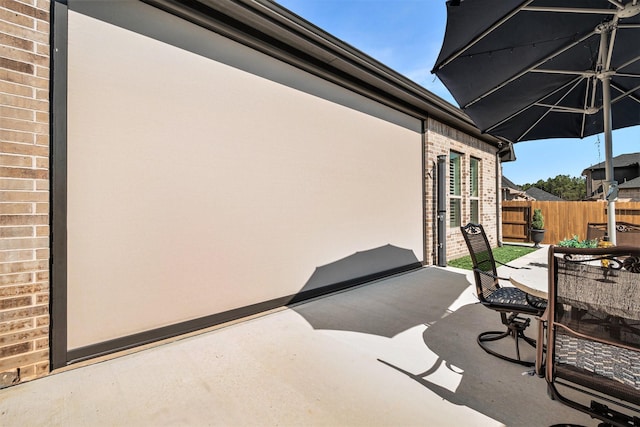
(358, 268)
(431, 321)
(462, 374)
(452, 340)
(387, 307)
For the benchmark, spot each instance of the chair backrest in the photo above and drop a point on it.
(482, 259)
(627, 234)
(593, 335)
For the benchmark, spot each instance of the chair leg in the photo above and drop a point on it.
(515, 329)
(540, 348)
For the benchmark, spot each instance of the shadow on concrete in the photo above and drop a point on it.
(449, 361)
(371, 262)
(356, 269)
(388, 307)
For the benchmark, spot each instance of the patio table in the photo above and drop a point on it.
(533, 276)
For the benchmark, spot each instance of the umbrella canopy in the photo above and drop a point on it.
(537, 69)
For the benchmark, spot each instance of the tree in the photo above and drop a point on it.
(563, 186)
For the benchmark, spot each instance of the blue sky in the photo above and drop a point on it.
(406, 36)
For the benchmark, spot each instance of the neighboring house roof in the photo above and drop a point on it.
(539, 194)
(514, 191)
(620, 161)
(632, 183)
(507, 183)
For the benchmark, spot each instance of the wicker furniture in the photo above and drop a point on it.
(593, 332)
(627, 234)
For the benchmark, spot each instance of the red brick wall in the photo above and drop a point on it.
(24, 190)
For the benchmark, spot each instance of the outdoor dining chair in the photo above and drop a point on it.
(627, 234)
(593, 332)
(515, 306)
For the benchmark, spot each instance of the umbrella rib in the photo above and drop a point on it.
(575, 82)
(628, 93)
(589, 83)
(612, 41)
(559, 108)
(570, 10)
(530, 69)
(483, 35)
(534, 125)
(626, 64)
(604, 59)
(587, 73)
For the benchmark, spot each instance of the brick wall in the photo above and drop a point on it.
(441, 139)
(24, 190)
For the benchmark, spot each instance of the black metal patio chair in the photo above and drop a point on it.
(593, 332)
(515, 306)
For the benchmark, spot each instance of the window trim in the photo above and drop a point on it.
(474, 198)
(455, 194)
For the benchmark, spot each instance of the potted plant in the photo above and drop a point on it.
(537, 228)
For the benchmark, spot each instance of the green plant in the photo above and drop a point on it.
(575, 242)
(538, 220)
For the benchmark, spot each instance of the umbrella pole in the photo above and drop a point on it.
(610, 184)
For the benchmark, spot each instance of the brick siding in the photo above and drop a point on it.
(441, 139)
(24, 190)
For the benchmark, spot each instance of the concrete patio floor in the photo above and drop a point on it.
(397, 352)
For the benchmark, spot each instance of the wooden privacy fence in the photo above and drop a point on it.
(561, 219)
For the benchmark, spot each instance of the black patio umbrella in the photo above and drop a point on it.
(538, 69)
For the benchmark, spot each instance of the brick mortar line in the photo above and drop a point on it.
(46, 20)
